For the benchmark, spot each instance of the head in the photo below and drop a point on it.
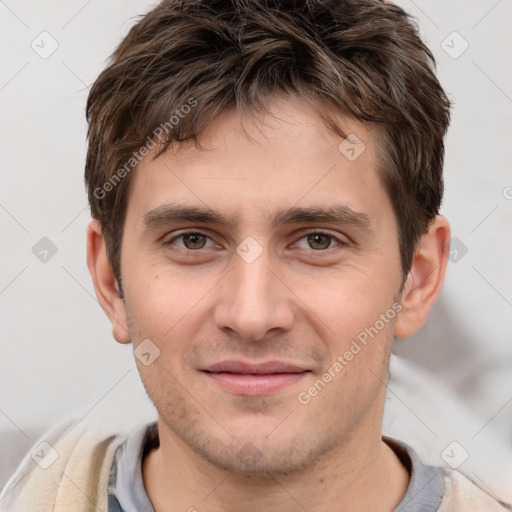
(301, 146)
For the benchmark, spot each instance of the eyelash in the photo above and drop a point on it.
(195, 232)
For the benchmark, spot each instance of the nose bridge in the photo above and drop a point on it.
(253, 300)
(253, 288)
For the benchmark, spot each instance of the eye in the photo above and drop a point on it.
(191, 240)
(195, 240)
(319, 241)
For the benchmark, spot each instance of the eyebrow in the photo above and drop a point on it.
(337, 214)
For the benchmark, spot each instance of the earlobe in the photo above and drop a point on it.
(105, 283)
(425, 279)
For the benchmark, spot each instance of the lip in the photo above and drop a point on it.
(259, 379)
(266, 367)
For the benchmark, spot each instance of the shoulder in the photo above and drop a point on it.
(67, 467)
(461, 494)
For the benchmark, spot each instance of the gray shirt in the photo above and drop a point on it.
(126, 492)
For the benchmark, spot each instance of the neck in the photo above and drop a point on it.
(360, 474)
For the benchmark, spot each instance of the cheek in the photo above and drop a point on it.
(162, 299)
(358, 317)
(168, 308)
(351, 300)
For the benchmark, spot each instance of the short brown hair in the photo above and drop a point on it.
(364, 58)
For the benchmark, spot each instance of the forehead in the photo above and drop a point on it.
(247, 166)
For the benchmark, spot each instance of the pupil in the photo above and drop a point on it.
(193, 239)
(317, 238)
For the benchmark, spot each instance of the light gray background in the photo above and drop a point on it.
(57, 353)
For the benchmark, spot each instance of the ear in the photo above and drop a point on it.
(105, 283)
(425, 279)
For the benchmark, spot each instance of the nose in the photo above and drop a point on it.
(253, 299)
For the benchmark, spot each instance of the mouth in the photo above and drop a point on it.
(262, 379)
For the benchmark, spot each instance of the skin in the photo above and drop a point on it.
(302, 301)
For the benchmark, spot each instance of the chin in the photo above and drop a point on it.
(258, 456)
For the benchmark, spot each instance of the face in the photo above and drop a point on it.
(260, 276)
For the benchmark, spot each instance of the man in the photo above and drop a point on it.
(265, 181)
